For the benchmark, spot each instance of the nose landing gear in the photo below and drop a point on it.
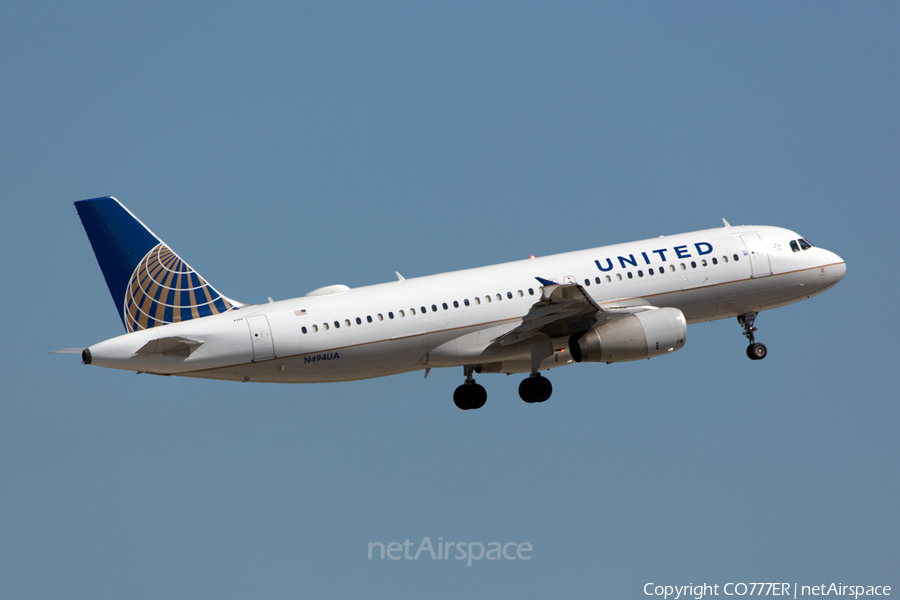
(755, 351)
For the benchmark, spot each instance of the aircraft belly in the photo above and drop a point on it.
(339, 364)
(407, 353)
(755, 295)
(471, 347)
(697, 304)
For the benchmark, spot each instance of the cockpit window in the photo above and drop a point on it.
(795, 246)
(804, 245)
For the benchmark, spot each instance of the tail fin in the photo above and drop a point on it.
(149, 283)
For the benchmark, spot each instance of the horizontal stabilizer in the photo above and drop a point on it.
(170, 346)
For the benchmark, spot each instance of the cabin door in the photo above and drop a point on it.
(759, 260)
(261, 338)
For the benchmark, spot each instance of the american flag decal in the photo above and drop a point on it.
(300, 313)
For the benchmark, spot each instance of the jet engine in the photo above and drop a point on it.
(632, 337)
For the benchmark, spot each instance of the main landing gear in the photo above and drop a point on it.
(755, 351)
(535, 389)
(469, 395)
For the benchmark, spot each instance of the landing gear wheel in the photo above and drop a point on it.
(757, 351)
(535, 389)
(470, 396)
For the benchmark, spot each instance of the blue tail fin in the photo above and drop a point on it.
(149, 283)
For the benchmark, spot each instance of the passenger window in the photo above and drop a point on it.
(703, 262)
(444, 305)
(390, 315)
(315, 328)
(619, 276)
(325, 325)
(477, 300)
(597, 279)
(587, 282)
(337, 324)
(693, 264)
(725, 259)
(509, 295)
(630, 276)
(412, 311)
(487, 299)
(650, 271)
(347, 322)
(521, 294)
(303, 329)
(466, 301)
(380, 317)
(499, 297)
(369, 318)
(531, 291)
(715, 261)
(735, 256)
(358, 321)
(402, 314)
(608, 279)
(455, 304)
(423, 310)
(434, 307)
(640, 273)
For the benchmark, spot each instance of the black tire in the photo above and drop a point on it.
(478, 396)
(470, 396)
(535, 389)
(757, 351)
(525, 390)
(543, 389)
(461, 398)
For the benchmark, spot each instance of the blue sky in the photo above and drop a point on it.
(281, 147)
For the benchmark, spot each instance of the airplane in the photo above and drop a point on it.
(610, 304)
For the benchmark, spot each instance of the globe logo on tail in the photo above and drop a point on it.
(164, 289)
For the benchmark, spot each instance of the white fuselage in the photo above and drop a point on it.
(452, 319)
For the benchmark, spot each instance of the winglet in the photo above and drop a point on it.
(727, 224)
(545, 282)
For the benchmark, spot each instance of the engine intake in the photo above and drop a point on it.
(632, 337)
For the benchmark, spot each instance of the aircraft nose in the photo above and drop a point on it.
(838, 267)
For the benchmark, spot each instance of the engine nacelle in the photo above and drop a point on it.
(633, 337)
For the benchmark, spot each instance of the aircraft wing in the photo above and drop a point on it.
(567, 309)
(563, 309)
